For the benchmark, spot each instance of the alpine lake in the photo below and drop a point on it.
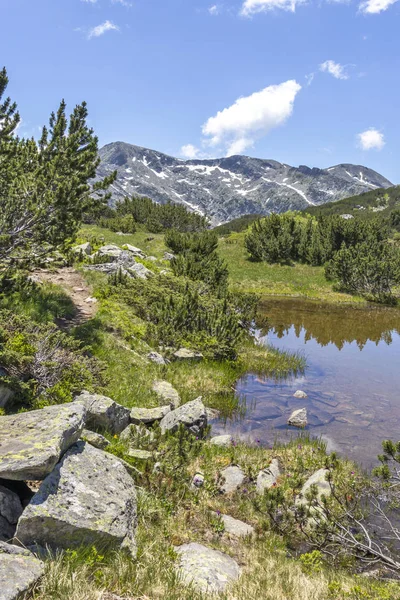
(352, 378)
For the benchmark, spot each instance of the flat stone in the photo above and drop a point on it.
(235, 527)
(167, 393)
(208, 570)
(19, 570)
(268, 477)
(222, 440)
(192, 415)
(231, 479)
(298, 418)
(103, 413)
(95, 439)
(135, 251)
(140, 454)
(10, 512)
(111, 251)
(186, 354)
(156, 358)
(148, 415)
(300, 394)
(32, 443)
(89, 499)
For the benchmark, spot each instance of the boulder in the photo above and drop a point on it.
(10, 512)
(235, 527)
(111, 251)
(207, 570)
(156, 358)
(222, 440)
(192, 415)
(139, 271)
(268, 477)
(298, 418)
(167, 393)
(89, 499)
(319, 480)
(231, 479)
(168, 256)
(103, 413)
(148, 415)
(19, 570)
(95, 439)
(187, 354)
(85, 248)
(32, 443)
(300, 394)
(135, 251)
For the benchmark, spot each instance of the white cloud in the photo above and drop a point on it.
(122, 2)
(90, 1)
(214, 10)
(310, 78)
(371, 139)
(252, 7)
(250, 118)
(189, 151)
(373, 7)
(102, 29)
(338, 71)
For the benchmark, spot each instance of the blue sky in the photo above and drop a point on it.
(311, 82)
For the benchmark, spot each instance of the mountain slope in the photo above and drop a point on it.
(226, 188)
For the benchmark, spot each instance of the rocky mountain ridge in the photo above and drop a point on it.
(226, 188)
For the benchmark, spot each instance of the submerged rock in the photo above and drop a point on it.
(19, 570)
(192, 415)
(167, 393)
(300, 394)
(89, 499)
(231, 479)
(103, 413)
(206, 569)
(298, 418)
(268, 477)
(32, 443)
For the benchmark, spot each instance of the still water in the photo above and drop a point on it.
(352, 377)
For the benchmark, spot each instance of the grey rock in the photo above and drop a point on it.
(140, 454)
(168, 256)
(135, 251)
(152, 258)
(32, 443)
(103, 413)
(19, 570)
(95, 439)
(167, 393)
(231, 479)
(187, 354)
(300, 394)
(319, 480)
(148, 415)
(85, 248)
(89, 499)
(298, 418)
(192, 415)
(139, 271)
(156, 358)
(235, 527)
(268, 477)
(10, 512)
(111, 251)
(207, 570)
(222, 440)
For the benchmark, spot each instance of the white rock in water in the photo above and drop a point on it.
(300, 394)
(298, 418)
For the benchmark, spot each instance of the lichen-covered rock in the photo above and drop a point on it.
(192, 415)
(135, 251)
(32, 443)
(187, 354)
(139, 271)
(89, 499)
(222, 440)
(95, 439)
(19, 570)
(148, 415)
(10, 512)
(85, 248)
(103, 413)
(231, 479)
(206, 569)
(319, 480)
(234, 527)
(298, 418)
(268, 477)
(167, 393)
(156, 358)
(111, 251)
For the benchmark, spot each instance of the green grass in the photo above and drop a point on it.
(151, 243)
(299, 280)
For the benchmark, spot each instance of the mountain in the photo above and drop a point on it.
(226, 188)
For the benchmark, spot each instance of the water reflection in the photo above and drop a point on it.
(352, 379)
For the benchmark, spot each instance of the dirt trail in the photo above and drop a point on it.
(73, 284)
